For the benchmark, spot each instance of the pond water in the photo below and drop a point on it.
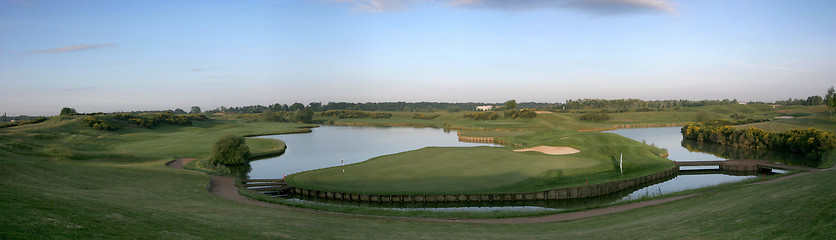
(679, 149)
(329, 146)
(667, 138)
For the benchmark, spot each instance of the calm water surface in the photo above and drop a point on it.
(327, 146)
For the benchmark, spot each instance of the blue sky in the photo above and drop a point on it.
(152, 55)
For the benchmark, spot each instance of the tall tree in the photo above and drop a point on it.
(830, 100)
(70, 111)
(296, 106)
(195, 110)
(315, 106)
(511, 104)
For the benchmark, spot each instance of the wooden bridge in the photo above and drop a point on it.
(738, 165)
(266, 186)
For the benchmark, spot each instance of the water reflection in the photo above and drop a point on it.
(729, 152)
(561, 204)
(327, 146)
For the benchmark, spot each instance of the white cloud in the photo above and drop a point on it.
(597, 7)
(75, 48)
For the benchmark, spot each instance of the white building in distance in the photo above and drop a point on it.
(484, 108)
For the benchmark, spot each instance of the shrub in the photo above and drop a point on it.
(646, 109)
(595, 117)
(68, 111)
(482, 116)
(98, 123)
(812, 142)
(18, 123)
(230, 150)
(154, 119)
(525, 113)
(425, 116)
(354, 114)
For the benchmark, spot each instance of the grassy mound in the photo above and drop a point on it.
(436, 170)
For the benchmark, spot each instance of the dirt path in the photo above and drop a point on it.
(225, 187)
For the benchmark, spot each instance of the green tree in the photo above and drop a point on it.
(510, 104)
(68, 111)
(830, 100)
(297, 106)
(230, 149)
(195, 110)
(179, 111)
(813, 100)
(315, 106)
(304, 115)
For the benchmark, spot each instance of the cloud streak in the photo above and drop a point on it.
(75, 48)
(595, 7)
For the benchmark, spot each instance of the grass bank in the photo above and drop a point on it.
(63, 181)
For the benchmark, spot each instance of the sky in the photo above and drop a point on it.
(106, 56)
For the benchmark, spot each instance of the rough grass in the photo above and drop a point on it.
(571, 121)
(824, 122)
(79, 200)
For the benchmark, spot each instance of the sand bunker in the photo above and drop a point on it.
(550, 150)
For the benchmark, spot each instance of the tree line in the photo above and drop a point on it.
(617, 105)
(354, 114)
(812, 142)
(303, 115)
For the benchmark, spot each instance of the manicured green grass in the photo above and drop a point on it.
(105, 194)
(437, 170)
(197, 140)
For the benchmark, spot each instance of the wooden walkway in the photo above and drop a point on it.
(266, 186)
(743, 165)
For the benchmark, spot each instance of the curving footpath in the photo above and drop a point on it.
(225, 187)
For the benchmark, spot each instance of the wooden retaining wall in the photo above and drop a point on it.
(740, 168)
(560, 193)
(476, 139)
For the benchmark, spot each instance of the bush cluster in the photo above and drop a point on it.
(154, 119)
(230, 150)
(646, 109)
(18, 123)
(425, 116)
(355, 114)
(98, 123)
(482, 115)
(525, 113)
(812, 142)
(595, 117)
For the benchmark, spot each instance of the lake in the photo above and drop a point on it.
(329, 146)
